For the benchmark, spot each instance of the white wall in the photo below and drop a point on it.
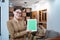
(54, 16)
(4, 18)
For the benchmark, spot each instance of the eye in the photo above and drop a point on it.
(18, 12)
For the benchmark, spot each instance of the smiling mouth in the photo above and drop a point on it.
(20, 16)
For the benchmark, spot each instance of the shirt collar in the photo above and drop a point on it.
(15, 20)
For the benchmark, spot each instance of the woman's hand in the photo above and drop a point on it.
(28, 31)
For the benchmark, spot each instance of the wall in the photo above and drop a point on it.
(54, 16)
(39, 6)
(4, 18)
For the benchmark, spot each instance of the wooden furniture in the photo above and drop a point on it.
(43, 17)
(34, 14)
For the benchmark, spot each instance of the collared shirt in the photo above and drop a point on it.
(20, 24)
(15, 19)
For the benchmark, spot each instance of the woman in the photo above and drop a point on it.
(16, 26)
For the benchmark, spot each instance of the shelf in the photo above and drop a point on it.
(43, 15)
(42, 22)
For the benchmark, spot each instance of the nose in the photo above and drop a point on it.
(19, 14)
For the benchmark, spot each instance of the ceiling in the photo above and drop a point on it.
(24, 2)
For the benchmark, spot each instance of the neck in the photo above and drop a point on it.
(17, 19)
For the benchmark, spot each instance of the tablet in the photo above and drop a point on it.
(32, 25)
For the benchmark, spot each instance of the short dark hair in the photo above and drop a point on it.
(23, 8)
(10, 14)
(17, 8)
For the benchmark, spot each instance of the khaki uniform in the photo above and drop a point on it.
(16, 30)
(40, 32)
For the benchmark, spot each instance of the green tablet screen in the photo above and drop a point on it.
(32, 24)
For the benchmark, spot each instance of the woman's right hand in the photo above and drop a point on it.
(28, 31)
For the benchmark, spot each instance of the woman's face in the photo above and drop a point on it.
(18, 14)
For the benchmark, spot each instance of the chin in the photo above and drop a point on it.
(18, 18)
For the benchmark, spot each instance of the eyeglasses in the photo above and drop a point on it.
(18, 12)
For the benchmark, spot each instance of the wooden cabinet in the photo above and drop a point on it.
(34, 14)
(43, 15)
